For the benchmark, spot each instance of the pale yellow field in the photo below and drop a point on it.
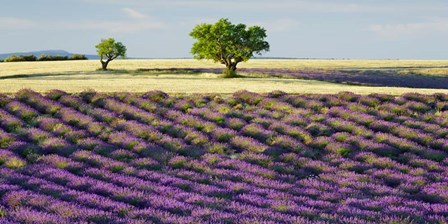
(76, 76)
(197, 85)
(92, 65)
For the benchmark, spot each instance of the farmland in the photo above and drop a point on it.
(241, 158)
(292, 76)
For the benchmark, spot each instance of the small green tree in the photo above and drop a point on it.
(228, 43)
(109, 50)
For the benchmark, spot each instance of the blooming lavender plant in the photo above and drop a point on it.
(245, 158)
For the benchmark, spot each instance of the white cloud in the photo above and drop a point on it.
(409, 30)
(134, 13)
(317, 6)
(15, 23)
(279, 6)
(115, 26)
(279, 25)
(272, 25)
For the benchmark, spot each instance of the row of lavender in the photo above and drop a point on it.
(274, 158)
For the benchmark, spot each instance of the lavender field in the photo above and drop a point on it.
(245, 158)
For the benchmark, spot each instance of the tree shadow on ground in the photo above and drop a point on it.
(386, 78)
(24, 76)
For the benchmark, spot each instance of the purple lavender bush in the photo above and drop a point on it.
(245, 158)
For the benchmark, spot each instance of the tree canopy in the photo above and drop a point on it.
(109, 50)
(228, 43)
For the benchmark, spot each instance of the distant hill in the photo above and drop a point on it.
(45, 52)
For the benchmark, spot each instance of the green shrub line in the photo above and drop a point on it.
(19, 58)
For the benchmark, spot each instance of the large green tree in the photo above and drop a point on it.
(109, 50)
(228, 43)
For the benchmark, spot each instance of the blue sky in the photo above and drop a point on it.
(361, 29)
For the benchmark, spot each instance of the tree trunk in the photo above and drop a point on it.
(104, 65)
(232, 67)
(230, 71)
